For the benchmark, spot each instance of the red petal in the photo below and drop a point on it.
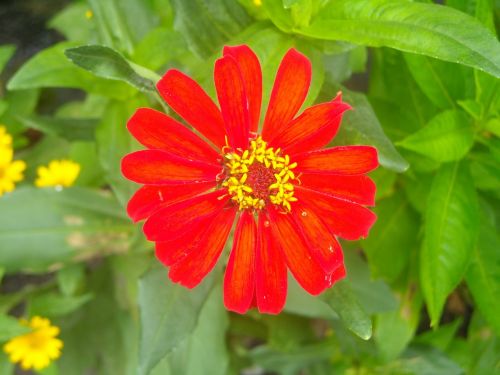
(172, 221)
(358, 188)
(252, 77)
(197, 264)
(239, 279)
(170, 252)
(305, 269)
(190, 101)
(158, 167)
(344, 219)
(289, 92)
(346, 160)
(233, 101)
(323, 245)
(156, 130)
(149, 198)
(271, 271)
(313, 129)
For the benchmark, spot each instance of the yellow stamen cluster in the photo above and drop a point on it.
(260, 175)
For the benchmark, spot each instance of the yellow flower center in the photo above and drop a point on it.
(258, 176)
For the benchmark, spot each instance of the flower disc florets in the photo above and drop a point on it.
(259, 175)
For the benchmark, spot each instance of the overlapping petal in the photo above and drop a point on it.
(191, 102)
(239, 279)
(345, 219)
(158, 167)
(156, 130)
(191, 269)
(149, 198)
(322, 244)
(306, 270)
(289, 92)
(356, 188)
(270, 270)
(251, 72)
(172, 221)
(313, 129)
(233, 101)
(345, 160)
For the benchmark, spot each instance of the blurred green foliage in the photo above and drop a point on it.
(422, 292)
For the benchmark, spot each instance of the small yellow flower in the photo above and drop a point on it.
(5, 138)
(257, 3)
(89, 14)
(59, 173)
(10, 171)
(35, 350)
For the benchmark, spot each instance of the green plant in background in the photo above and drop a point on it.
(421, 295)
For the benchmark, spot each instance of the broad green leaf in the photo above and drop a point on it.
(488, 94)
(51, 68)
(450, 231)
(107, 63)
(19, 103)
(41, 227)
(447, 137)
(442, 82)
(395, 329)
(72, 129)
(441, 337)
(204, 351)
(294, 361)
(207, 25)
(169, 314)
(6, 52)
(426, 29)
(102, 337)
(122, 23)
(423, 361)
(10, 327)
(392, 238)
(70, 278)
(53, 305)
(342, 300)
(74, 23)
(361, 126)
(159, 47)
(483, 274)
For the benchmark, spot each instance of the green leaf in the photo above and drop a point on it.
(72, 129)
(447, 137)
(361, 126)
(51, 68)
(10, 327)
(427, 29)
(194, 356)
(73, 23)
(392, 238)
(207, 25)
(55, 305)
(440, 338)
(122, 23)
(6, 52)
(70, 278)
(483, 274)
(107, 63)
(169, 314)
(41, 227)
(343, 301)
(395, 329)
(424, 361)
(450, 231)
(442, 82)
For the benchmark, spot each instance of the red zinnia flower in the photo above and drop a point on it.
(291, 200)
